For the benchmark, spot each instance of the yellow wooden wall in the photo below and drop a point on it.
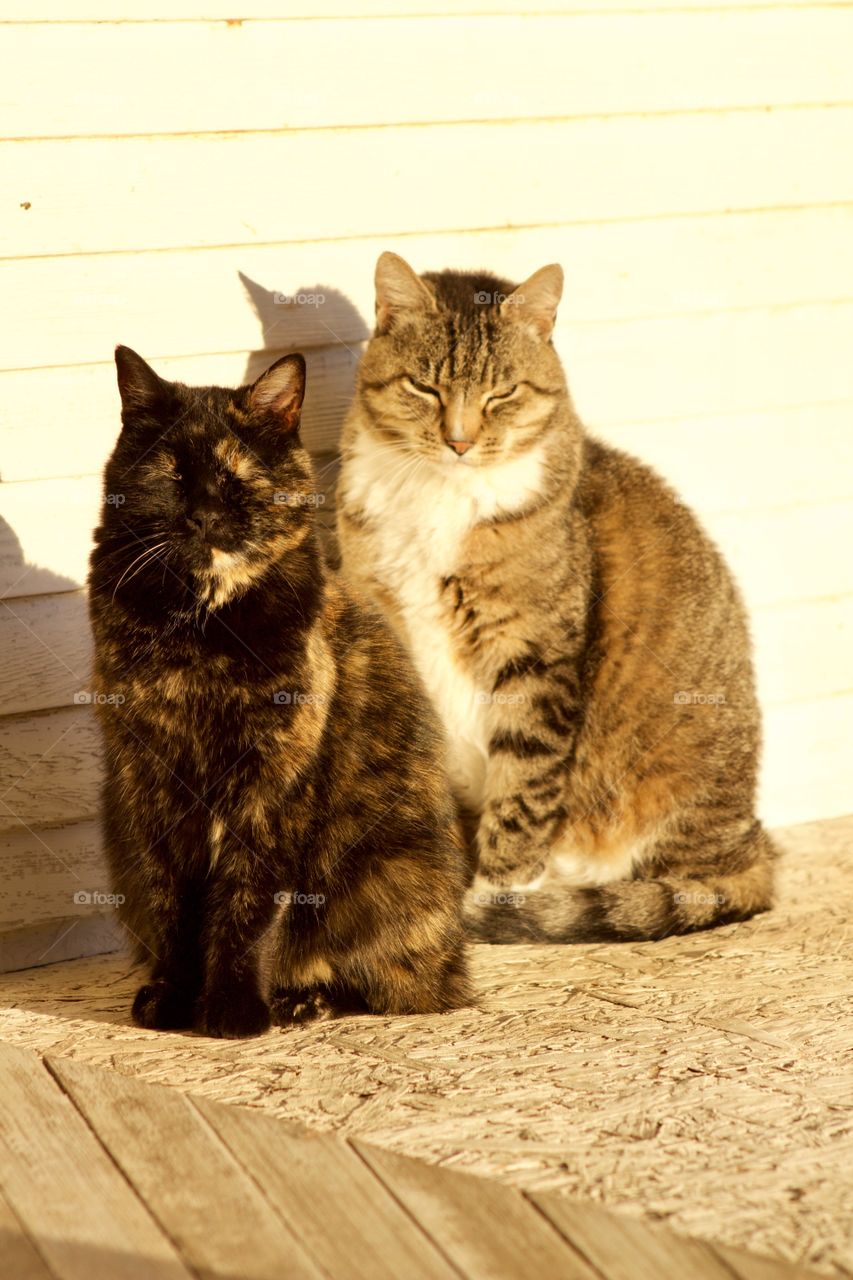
(169, 167)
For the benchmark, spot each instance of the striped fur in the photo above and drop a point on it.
(580, 635)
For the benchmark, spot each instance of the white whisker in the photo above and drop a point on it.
(150, 552)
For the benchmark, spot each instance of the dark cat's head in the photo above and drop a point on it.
(206, 487)
(461, 369)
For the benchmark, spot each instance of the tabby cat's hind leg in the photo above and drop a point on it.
(313, 1004)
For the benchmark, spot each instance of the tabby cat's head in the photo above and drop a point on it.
(206, 487)
(461, 369)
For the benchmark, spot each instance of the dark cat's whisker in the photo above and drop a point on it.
(151, 553)
(136, 541)
(153, 558)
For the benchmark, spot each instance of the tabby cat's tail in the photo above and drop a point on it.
(624, 911)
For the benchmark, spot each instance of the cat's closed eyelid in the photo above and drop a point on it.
(421, 388)
(164, 465)
(496, 397)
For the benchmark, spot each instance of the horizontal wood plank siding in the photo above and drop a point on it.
(50, 765)
(126, 11)
(655, 62)
(285, 186)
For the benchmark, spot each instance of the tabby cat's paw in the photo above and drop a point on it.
(288, 1005)
(233, 1015)
(161, 1006)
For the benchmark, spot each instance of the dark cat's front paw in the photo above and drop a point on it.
(234, 1014)
(161, 1006)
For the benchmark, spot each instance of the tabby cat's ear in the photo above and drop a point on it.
(534, 303)
(400, 292)
(138, 385)
(279, 392)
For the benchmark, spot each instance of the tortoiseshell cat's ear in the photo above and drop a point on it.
(278, 393)
(139, 386)
(534, 303)
(400, 292)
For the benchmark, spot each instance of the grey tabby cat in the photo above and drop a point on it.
(580, 635)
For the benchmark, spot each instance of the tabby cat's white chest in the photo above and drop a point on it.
(422, 514)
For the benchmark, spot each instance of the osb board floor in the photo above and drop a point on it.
(705, 1081)
(104, 1177)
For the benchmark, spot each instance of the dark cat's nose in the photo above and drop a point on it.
(459, 446)
(205, 518)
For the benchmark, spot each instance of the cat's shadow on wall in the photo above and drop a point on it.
(327, 327)
(21, 577)
(309, 318)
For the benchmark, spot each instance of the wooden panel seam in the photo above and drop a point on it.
(437, 1244)
(529, 1197)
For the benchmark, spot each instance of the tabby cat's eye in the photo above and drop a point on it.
(501, 395)
(421, 387)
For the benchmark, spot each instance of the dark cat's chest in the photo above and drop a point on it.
(176, 669)
(222, 707)
(194, 702)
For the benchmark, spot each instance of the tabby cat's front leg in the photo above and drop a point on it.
(515, 830)
(534, 727)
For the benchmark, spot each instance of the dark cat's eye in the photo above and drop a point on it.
(498, 396)
(421, 387)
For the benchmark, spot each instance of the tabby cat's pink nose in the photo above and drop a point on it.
(461, 446)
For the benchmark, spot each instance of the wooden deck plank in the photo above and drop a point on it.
(213, 1211)
(347, 1219)
(623, 1248)
(85, 1221)
(489, 1231)
(21, 1259)
(103, 1176)
(753, 1266)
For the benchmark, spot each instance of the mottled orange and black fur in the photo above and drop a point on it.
(275, 811)
(579, 633)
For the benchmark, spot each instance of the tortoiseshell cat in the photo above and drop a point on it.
(580, 635)
(275, 809)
